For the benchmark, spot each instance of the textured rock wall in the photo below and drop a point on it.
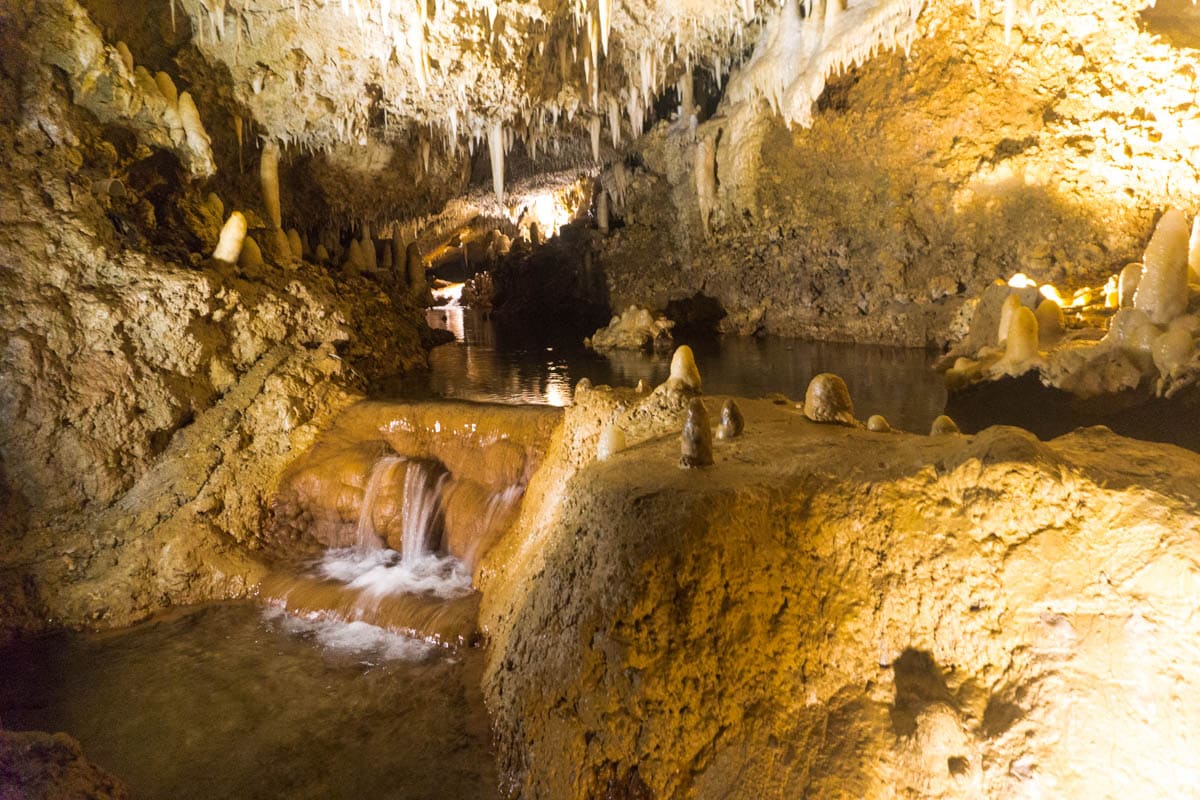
(828, 612)
(922, 179)
(147, 403)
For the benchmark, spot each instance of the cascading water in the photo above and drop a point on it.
(422, 509)
(365, 535)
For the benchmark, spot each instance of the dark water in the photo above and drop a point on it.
(486, 364)
(224, 702)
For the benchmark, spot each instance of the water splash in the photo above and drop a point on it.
(365, 535)
(422, 513)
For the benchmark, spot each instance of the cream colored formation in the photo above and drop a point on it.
(1138, 330)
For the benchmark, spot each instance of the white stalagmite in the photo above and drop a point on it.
(705, 170)
(1009, 307)
(268, 173)
(233, 234)
(1021, 346)
(1127, 284)
(1194, 251)
(612, 441)
(684, 373)
(1172, 350)
(496, 152)
(1162, 291)
(193, 128)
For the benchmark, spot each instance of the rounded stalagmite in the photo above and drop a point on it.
(696, 440)
(828, 400)
(732, 421)
(943, 426)
(684, 374)
(612, 441)
(233, 235)
(878, 424)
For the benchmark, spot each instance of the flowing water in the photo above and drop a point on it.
(319, 692)
(231, 701)
(486, 363)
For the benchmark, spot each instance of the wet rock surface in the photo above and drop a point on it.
(831, 612)
(51, 767)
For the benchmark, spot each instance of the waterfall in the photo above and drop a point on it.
(421, 516)
(365, 535)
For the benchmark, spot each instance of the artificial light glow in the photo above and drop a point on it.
(448, 295)
(1050, 292)
(1022, 281)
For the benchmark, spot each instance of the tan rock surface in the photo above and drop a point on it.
(829, 612)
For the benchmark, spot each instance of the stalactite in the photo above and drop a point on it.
(496, 152)
(705, 169)
(238, 131)
(594, 133)
(193, 128)
(614, 121)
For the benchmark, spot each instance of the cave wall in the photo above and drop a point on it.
(149, 396)
(923, 177)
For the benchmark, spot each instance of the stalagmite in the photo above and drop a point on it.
(268, 172)
(496, 152)
(827, 399)
(321, 254)
(642, 387)
(1021, 345)
(1050, 321)
(943, 426)
(1127, 284)
(696, 437)
(189, 115)
(1172, 350)
(602, 222)
(399, 265)
(166, 88)
(594, 134)
(126, 56)
(414, 267)
(294, 244)
(877, 424)
(1162, 291)
(1010, 306)
(705, 169)
(354, 258)
(684, 373)
(251, 255)
(732, 422)
(233, 234)
(612, 441)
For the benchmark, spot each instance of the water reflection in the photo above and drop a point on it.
(490, 364)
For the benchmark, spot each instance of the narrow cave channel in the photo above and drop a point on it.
(573, 399)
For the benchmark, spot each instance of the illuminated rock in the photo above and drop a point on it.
(705, 172)
(696, 438)
(635, 329)
(877, 424)
(732, 422)
(1172, 350)
(943, 426)
(1010, 306)
(685, 376)
(612, 441)
(1050, 321)
(233, 234)
(1127, 284)
(828, 400)
(1162, 291)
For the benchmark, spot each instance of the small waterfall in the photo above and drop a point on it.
(421, 516)
(365, 535)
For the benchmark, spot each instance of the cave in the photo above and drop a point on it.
(579, 399)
